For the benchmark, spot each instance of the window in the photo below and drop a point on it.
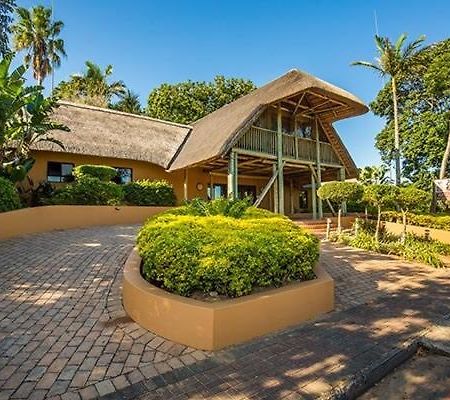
(124, 175)
(219, 190)
(59, 172)
(247, 191)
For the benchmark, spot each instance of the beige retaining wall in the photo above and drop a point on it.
(212, 326)
(49, 218)
(436, 234)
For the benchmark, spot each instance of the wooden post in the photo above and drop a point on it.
(319, 169)
(342, 178)
(211, 186)
(235, 176)
(291, 195)
(314, 196)
(230, 178)
(275, 191)
(280, 162)
(328, 228)
(185, 185)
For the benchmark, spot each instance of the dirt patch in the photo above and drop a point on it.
(425, 376)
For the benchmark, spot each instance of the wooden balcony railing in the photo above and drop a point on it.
(264, 141)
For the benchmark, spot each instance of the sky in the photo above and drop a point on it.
(151, 42)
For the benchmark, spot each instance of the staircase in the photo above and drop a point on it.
(316, 227)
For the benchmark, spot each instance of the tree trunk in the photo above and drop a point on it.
(398, 171)
(444, 163)
(404, 226)
(366, 213)
(377, 229)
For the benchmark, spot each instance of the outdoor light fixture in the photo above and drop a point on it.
(199, 186)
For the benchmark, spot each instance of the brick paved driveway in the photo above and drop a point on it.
(63, 331)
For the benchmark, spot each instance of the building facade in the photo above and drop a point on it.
(276, 144)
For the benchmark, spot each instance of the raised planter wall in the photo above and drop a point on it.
(49, 218)
(212, 326)
(436, 234)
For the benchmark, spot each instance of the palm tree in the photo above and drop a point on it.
(129, 103)
(35, 33)
(91, 87)
(394, 60)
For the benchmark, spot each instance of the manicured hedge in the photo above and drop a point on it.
(425, 220)
(102, 172)
(149, 193)
(9, 197)
(87, 190)
(185, 253)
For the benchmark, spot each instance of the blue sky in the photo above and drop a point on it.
(151, 42)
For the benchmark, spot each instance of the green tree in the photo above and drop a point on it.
(91, 87)
(129, 103)
(338, 192)
(411, 198)
(372, 175)
(25, 119)
(393, 60)
(35, 33)
(189, 101)
(424, 104)
(6, 9)
(380, 196)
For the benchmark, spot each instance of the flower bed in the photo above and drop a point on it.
(227, 253)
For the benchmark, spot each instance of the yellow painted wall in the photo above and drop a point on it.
(143, 170)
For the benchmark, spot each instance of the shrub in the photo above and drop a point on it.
(228, 207)
(425, 220)
(89, 191)
(102, 172)
(149, 193)
(9, 197)
(231, 256)
(413, 247)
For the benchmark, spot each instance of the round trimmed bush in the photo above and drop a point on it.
(87, 190)
(149, 193)
(9, 197)
(231, 256)
(102, 172)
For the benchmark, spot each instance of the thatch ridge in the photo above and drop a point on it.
(212, 135)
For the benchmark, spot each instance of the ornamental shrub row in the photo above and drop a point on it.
(9, 197)
(185, 253)
(149, 193)
(102, 172)
(425, 220)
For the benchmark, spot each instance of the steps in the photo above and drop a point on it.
(316, 227)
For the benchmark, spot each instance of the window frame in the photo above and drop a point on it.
(131, 175)
(62, 178)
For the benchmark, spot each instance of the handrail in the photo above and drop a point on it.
(263, 140)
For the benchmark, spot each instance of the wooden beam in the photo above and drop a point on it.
(230, 179)
(298, 103)
(185, 185)
(280, 162)
(266, 188)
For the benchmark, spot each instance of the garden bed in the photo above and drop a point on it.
(212, 326)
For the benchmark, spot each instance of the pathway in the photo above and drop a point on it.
(64, 334)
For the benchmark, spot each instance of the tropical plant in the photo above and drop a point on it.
(424, 104)
(394, 60)
(37, 34)
(9, 198)
(189, 101)
(408, 199)
(339, 192)
(25, 119)
(380, 196)
(129, 103)
(6, 9)
(91, 87)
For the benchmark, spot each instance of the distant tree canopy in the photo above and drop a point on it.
(6, 9)
(424, 110)
(186, 102)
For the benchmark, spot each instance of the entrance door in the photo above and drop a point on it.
(247, 191)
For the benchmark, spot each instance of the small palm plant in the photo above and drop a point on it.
(394, 59)
(35, 33)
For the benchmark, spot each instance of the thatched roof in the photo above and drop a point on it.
(108, 133)
(213, 135)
